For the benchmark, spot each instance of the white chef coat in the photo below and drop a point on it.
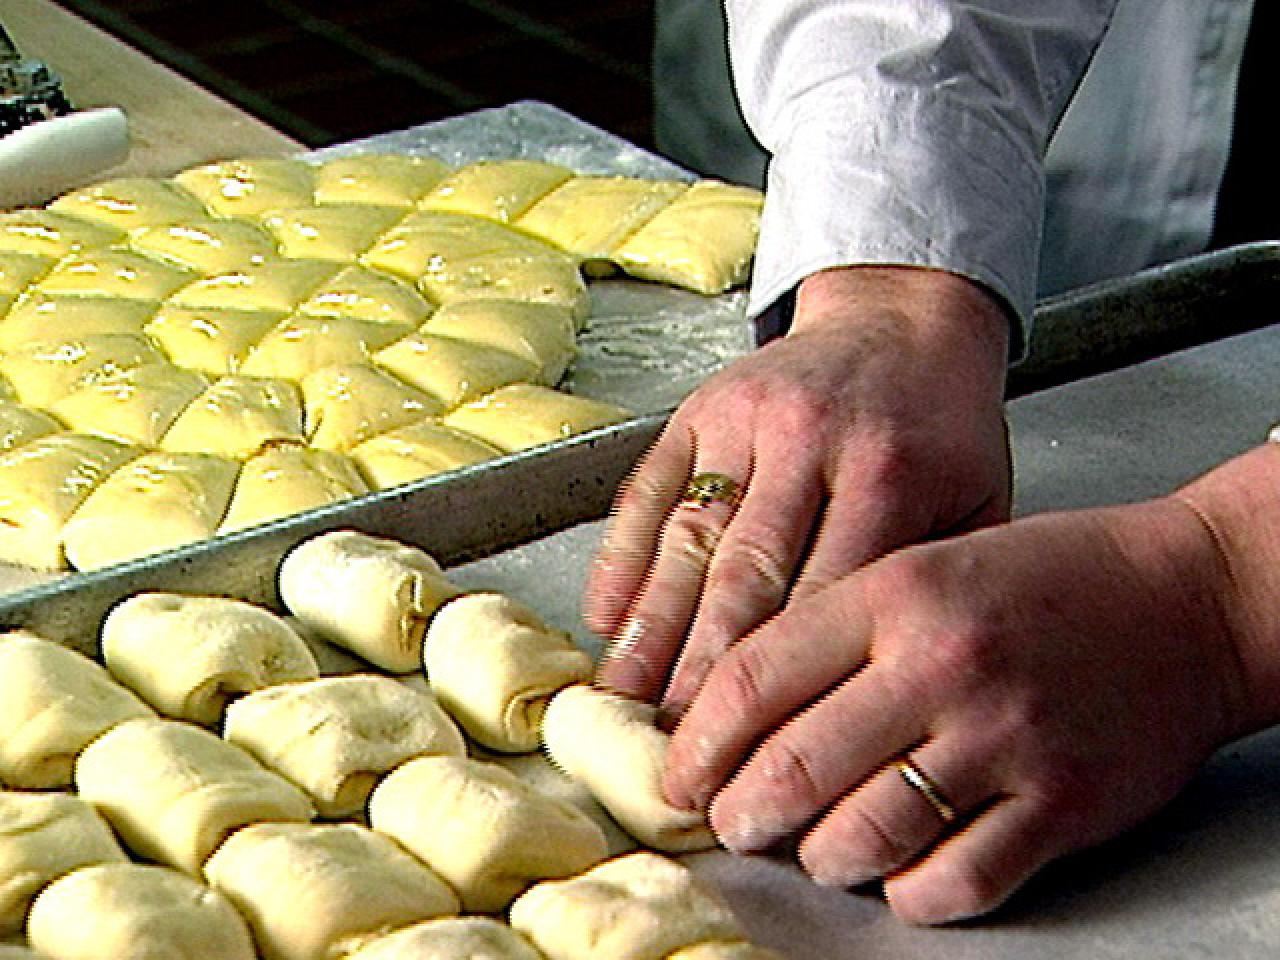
(914, 131)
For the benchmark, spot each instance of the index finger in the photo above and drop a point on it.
(791, 661)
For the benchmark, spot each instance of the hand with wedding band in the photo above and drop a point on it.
(875, 423)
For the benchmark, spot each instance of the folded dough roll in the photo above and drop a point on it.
(498, 190)
(378, 178)
(130, 203)
(317, 891)
(613, 745)
(542, 333)
(418, 450)
(335, 737)
(134, 911)
(53, 701)
(725, 950)
(494, 665)
(174, 791)
(489, 834)
(205, 246)
(347, 404)
(475, 938)
(641, 906)
(43, 836)
(249, 186)
(19, 425)
(187, 656)
(286, 478)
(367, 594)
(523, 415)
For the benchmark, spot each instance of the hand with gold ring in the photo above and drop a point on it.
(952, 716)
(876, 422)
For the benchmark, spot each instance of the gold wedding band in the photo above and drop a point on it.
(923, 784)
(708, 488)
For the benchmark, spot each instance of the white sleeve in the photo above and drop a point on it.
(907, 131)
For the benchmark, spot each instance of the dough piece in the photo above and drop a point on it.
(541, 333)
(366, 594)
(19, 425)
(136, 406)
(174, 791)
(314, 892)
(300, 344)
(41, 483)
(416, 451)
(188, 656)
(613, 745)
(524, 415)
(155, 502)
(338, 232)
(703, 241)
(589, 216)
(452, 371)
(41, 373)
(276, 285)
(335, 737)
(54, 701)
(642, 906)
(494, 664)
(40, 318)
(495, 189)
(134, 911)
(43, 836)
(347, 404)
(365, 294)
(48, 234)
(207, 339)
(450, 938)
(236, 417)
(287, 478)
(128, 203)
(459, 257)
(382, 179)
(250, 186)
(502, 835)
(19, 270)
(725, 950)
(114, 273)
(206, 247)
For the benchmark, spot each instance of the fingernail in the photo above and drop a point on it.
(745, 834)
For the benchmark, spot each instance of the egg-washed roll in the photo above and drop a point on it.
(447, 938)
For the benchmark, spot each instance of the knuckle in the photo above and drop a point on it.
(793, 773)
(742, 673)
(755, 564)
(867, 838)
(693, 543)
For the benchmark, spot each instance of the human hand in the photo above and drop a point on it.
(876, 422)
(1057, 679)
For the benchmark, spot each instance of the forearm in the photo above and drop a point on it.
(1238, 505)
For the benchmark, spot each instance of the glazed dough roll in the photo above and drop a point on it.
(641, 906)
(312, 892)
(502, 835)
(174, 791)
(53, 701)
(43, 836)
(187, 656)
(613, 745)
(474, 938)
(133, 911)
(335, 737)
(725, 950)
(494, 665)
(369, 595)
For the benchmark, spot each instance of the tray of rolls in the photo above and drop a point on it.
(254, 339)
(387, 763)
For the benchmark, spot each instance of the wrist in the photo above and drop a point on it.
(1238, 506)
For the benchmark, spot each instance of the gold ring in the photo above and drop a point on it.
(923, 784)
(708, 488)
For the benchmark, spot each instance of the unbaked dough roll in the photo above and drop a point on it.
(286, 478)
(249, 186)
(174, 791)
(495, 189)
(494, 665)
(378, 178)
(348, 404)
(450, 938)
(187, 655)
(315, 892)
(725, 950)
(43, 836)
(487, 833)
(335, 737)
(236, 417)
(523, 415)
(367, 594)
(416, 451)
(19, 425)
(206, 246)
(133, 911)
(53, 701)
(541, 333)
(642, 906)
(130, 203)
(613, 745)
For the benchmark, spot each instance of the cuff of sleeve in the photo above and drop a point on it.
(911, 181)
